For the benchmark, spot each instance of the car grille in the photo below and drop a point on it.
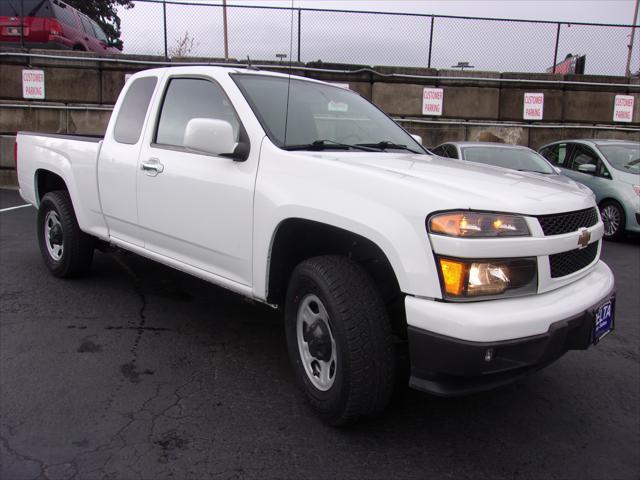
(566, 263)
(558, 224)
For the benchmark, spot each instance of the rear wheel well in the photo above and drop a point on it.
(47, 181)
(299, 239)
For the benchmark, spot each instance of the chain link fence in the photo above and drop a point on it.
(177, 28)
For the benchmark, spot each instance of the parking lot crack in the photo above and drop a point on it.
(25, 458)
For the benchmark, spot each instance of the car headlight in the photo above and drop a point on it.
(463, 279)
(636, 188)
(478, 225)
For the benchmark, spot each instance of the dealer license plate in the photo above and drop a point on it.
(603, 321)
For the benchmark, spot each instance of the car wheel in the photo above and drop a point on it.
(67, 251)
(339, 339)
(613, 218)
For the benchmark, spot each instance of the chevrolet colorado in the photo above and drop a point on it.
(391, 265)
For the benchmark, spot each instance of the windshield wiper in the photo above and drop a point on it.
(385, 145)
(327, 145)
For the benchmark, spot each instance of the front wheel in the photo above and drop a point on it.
(66, 250)
(339, 339)
(613, 218)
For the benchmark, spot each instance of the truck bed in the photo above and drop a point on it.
(73, 158)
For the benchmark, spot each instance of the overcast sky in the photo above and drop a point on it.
(395, 40)
(598, 11)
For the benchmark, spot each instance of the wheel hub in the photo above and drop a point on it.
(316, 344)
(611, 219)
(318, 338)
(55, 235)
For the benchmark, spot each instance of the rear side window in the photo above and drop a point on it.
(86, 23)
(439, 151)
(556, 154)
(100, 35)
(451, 151)
(189, 98)
(133, 110)
(65, 15)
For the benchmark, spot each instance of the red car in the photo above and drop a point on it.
(49, 24)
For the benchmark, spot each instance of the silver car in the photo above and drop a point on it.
(515, 157)
(502, 155)
(611, 168)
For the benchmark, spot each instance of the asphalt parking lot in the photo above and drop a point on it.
(139, 371)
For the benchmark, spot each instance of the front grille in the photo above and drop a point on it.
(560, 223)
(566, 263)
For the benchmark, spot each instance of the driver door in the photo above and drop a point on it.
(196, 208)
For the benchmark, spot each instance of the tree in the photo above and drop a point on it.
(183, 46)
(105, 14)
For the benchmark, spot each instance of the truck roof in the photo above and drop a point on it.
(190, 69)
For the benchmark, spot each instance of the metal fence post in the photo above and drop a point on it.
(299, 30)
(555, 53)
(431, 41)
(22, 23)
(164, 18)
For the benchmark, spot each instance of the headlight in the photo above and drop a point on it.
(636, 188)
(478, 225)
(468, 279)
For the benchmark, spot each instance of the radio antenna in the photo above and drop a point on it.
(286, 114)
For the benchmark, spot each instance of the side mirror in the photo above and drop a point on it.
(589, 168)
(417, 138)
(207, 135)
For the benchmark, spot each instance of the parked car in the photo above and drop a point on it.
(515, 157)
(611, 168)
(49, 24)
(389, 263)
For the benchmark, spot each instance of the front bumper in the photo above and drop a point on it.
(449, 365)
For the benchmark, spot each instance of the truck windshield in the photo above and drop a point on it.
(320, 116)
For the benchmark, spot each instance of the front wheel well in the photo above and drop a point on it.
(299, 239)
(609, 199)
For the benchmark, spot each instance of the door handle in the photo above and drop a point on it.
(152, 167)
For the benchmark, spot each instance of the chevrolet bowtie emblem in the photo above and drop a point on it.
(583, 239)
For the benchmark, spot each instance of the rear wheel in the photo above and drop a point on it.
(613, 218)
(67, 251)
(339, 339)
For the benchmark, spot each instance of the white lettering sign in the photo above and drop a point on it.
(533, 106)
(623, 108)
(33, 84)
(432, 101)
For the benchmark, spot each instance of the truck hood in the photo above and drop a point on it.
(460, 184)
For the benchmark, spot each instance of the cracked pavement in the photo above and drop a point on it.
(141, 372)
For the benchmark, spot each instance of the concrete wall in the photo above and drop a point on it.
(79, 92)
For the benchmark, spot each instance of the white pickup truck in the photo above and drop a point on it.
(391, 264)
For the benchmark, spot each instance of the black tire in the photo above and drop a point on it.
(76, 247)
(613, 218)
(364, 375)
